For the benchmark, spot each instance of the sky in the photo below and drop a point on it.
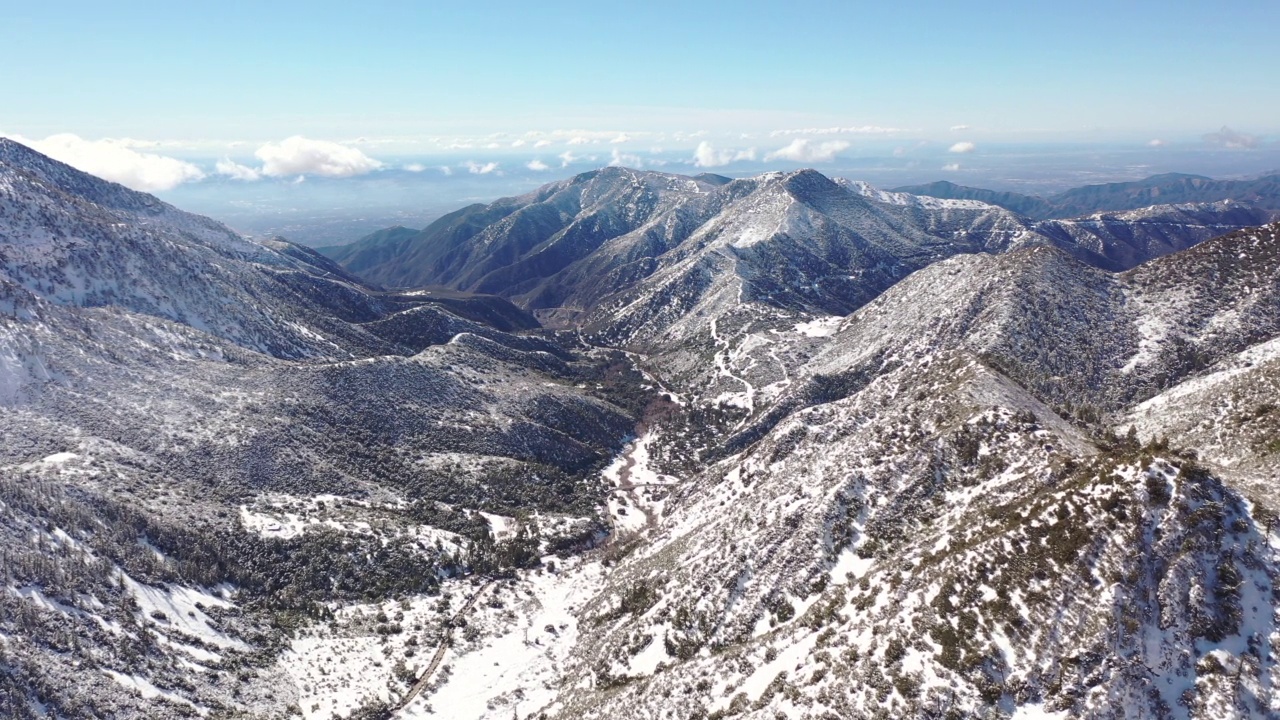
(162, 95)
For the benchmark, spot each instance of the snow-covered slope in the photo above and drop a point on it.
(159, 374)
(73, 239)
(961, 552)
(619, 241)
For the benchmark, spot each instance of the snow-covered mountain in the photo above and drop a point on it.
(630, 253)
(1167, 189)
(795, 447)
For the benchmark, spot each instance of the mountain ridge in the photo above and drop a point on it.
(1262, 192)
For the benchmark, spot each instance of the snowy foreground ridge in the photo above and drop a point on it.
(650, 446)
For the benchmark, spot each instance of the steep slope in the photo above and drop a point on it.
(532, 235)
(372, 249)
(1228, 415)
(959, 553)
(1225, 411)
(78, 240)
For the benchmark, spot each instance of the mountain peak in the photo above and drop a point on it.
(804, 183)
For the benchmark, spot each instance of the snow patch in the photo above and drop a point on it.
(821, 327)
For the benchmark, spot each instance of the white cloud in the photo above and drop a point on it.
(493, 146)
(858, 130)
(621, 159)
(300, 156)
(415, 167)
(707, 156)
(537, 165)
(446, 169)
(1228, 138)
(1156, 143)
(962, 147)
(805, 151)
(116, 161)
(542, 144)
(959, 128)
(236, 171)
(951, 167)
(517, 143)
(578, 140)
(476, 168)
(567, 157)
(622, 137)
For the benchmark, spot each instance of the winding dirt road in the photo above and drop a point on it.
(440, 651)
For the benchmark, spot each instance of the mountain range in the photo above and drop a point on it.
(1166, 189)
(642, 445)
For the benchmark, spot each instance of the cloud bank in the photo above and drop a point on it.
(476, 168)
(301, 156)
(706, 156)
(1228, 138)
(806, 151)
(236, 171)
(860, 130)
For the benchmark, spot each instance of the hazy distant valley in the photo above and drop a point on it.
(636, 444)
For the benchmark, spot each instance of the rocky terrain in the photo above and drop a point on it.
(639, 445)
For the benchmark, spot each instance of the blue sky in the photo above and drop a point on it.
(522, 84)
